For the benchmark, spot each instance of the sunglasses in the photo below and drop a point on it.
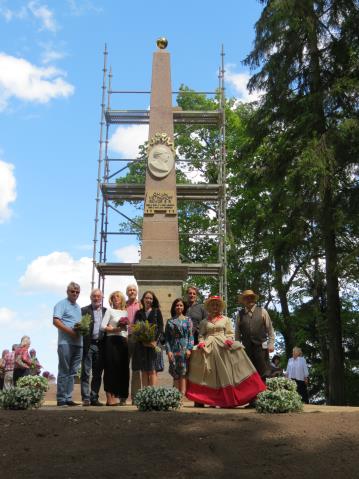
(74, 291)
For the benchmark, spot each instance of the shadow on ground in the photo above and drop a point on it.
(75, 443)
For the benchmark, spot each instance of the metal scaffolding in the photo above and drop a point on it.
(110, 192)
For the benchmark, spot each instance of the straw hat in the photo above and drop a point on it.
(215, 298)
(248, 293)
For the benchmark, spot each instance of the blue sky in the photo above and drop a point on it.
(51, 56)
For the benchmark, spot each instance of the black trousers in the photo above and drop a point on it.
(302, 390)
(259, 358)
(19, 373)
(92, 364)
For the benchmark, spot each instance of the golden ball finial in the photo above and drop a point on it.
(162, 43)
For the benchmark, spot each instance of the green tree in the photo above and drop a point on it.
(306, 54)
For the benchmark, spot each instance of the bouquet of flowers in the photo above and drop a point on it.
(123, 323)
(35, 366)
(83, 327)
(145, 332)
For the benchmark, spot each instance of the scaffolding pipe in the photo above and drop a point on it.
(99, 161)
(106, 175)
(224, 176)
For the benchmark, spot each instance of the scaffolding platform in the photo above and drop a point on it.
(126, 269)
(142, 117)
(136, 192)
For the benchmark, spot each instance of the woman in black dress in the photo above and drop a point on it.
(116, 370)
(145, 357)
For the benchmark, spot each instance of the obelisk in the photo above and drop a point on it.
(160, 268)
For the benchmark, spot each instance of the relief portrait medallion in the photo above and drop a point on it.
(160, 160)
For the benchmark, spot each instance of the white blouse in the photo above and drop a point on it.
(297, 369)
(111, 318)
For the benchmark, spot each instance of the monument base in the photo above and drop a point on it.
(165, 281)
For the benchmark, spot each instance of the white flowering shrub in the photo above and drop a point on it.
(38, 386)
(16, 398)
(280, 383)
(281, 396)
(28, 393)
(151, 398)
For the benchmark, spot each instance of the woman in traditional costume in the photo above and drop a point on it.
(220, 372)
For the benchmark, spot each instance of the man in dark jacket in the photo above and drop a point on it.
(195, 310)
(93, 351)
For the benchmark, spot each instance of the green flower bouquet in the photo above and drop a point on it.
(144, 332)
(280, 397)
(83, 327)
(162, 398)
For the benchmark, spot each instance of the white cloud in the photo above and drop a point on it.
(44, 14)
(239, 82)
(127, 139)
(25, 322)
(128, 254)
(53, 272)
(78, 7)
(9, 14)
(6, 316)
(51, 55)
(25, 81)
(7, 189)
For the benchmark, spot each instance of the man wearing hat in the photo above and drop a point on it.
(254, 328)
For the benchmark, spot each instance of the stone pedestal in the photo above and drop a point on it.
(164, 280)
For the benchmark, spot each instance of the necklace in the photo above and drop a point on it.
(215, 318)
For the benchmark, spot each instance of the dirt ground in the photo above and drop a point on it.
(120, 442)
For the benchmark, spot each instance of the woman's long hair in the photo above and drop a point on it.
(174, 304)
(155, 302)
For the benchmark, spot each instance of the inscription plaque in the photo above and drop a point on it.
(160, 202)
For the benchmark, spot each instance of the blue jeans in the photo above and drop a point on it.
(69, 363)
(92, 361)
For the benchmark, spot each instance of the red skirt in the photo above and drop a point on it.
(228, 396)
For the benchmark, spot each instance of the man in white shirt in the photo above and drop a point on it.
(93, 351)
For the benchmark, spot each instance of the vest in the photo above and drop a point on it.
(252, 329)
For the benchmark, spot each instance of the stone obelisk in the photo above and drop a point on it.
(160, 268)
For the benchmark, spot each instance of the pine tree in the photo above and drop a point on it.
(306, 54)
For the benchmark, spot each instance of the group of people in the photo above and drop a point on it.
(211, 362)
(20, 361)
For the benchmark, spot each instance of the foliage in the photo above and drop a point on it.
(153, 398)
(280, 397)
(83, 327)
(28, 393)
(145, 332)
(34, 382)
(305, 59)
(280, 384)
(18, 398)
